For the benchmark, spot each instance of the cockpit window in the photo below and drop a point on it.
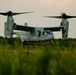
(48, 32)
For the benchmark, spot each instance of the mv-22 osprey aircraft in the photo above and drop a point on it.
(29, 33)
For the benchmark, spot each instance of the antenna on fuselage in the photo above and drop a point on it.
(8, 31)
(63, 23)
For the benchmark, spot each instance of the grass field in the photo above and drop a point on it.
(54, 57)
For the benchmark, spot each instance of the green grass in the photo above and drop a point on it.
(57, 58)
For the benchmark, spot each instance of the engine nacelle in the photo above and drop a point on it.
(8, 31)
(65, 24)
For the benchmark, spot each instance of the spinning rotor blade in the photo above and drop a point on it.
(62, 16)
(10, 13)
(21, 13)
(53, 16)
(71, 17)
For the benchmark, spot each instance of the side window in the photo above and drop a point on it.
(39, 33)
(43, 33)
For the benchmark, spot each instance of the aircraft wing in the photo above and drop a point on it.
(23, 28)
(54, 28)
(28, 28)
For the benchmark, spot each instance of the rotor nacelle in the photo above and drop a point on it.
(63, 16)
(10, 13)
(9, 25)
(64, 23)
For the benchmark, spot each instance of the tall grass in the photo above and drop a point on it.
(57, 58)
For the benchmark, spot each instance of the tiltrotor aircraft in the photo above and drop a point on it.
(29, 33)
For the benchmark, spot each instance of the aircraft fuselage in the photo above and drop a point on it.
(39, 36)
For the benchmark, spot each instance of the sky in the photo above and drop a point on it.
(41, 8)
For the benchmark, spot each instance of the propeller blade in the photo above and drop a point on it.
(67, 16)
(53, 16)
(62, 16)
(3, 14)
(21, 13)
(10, 13)
(71, 17)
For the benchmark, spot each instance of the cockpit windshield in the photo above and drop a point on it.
(48, 32)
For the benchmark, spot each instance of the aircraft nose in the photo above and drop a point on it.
(50, 36)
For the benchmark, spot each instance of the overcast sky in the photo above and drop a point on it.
(41, 8)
